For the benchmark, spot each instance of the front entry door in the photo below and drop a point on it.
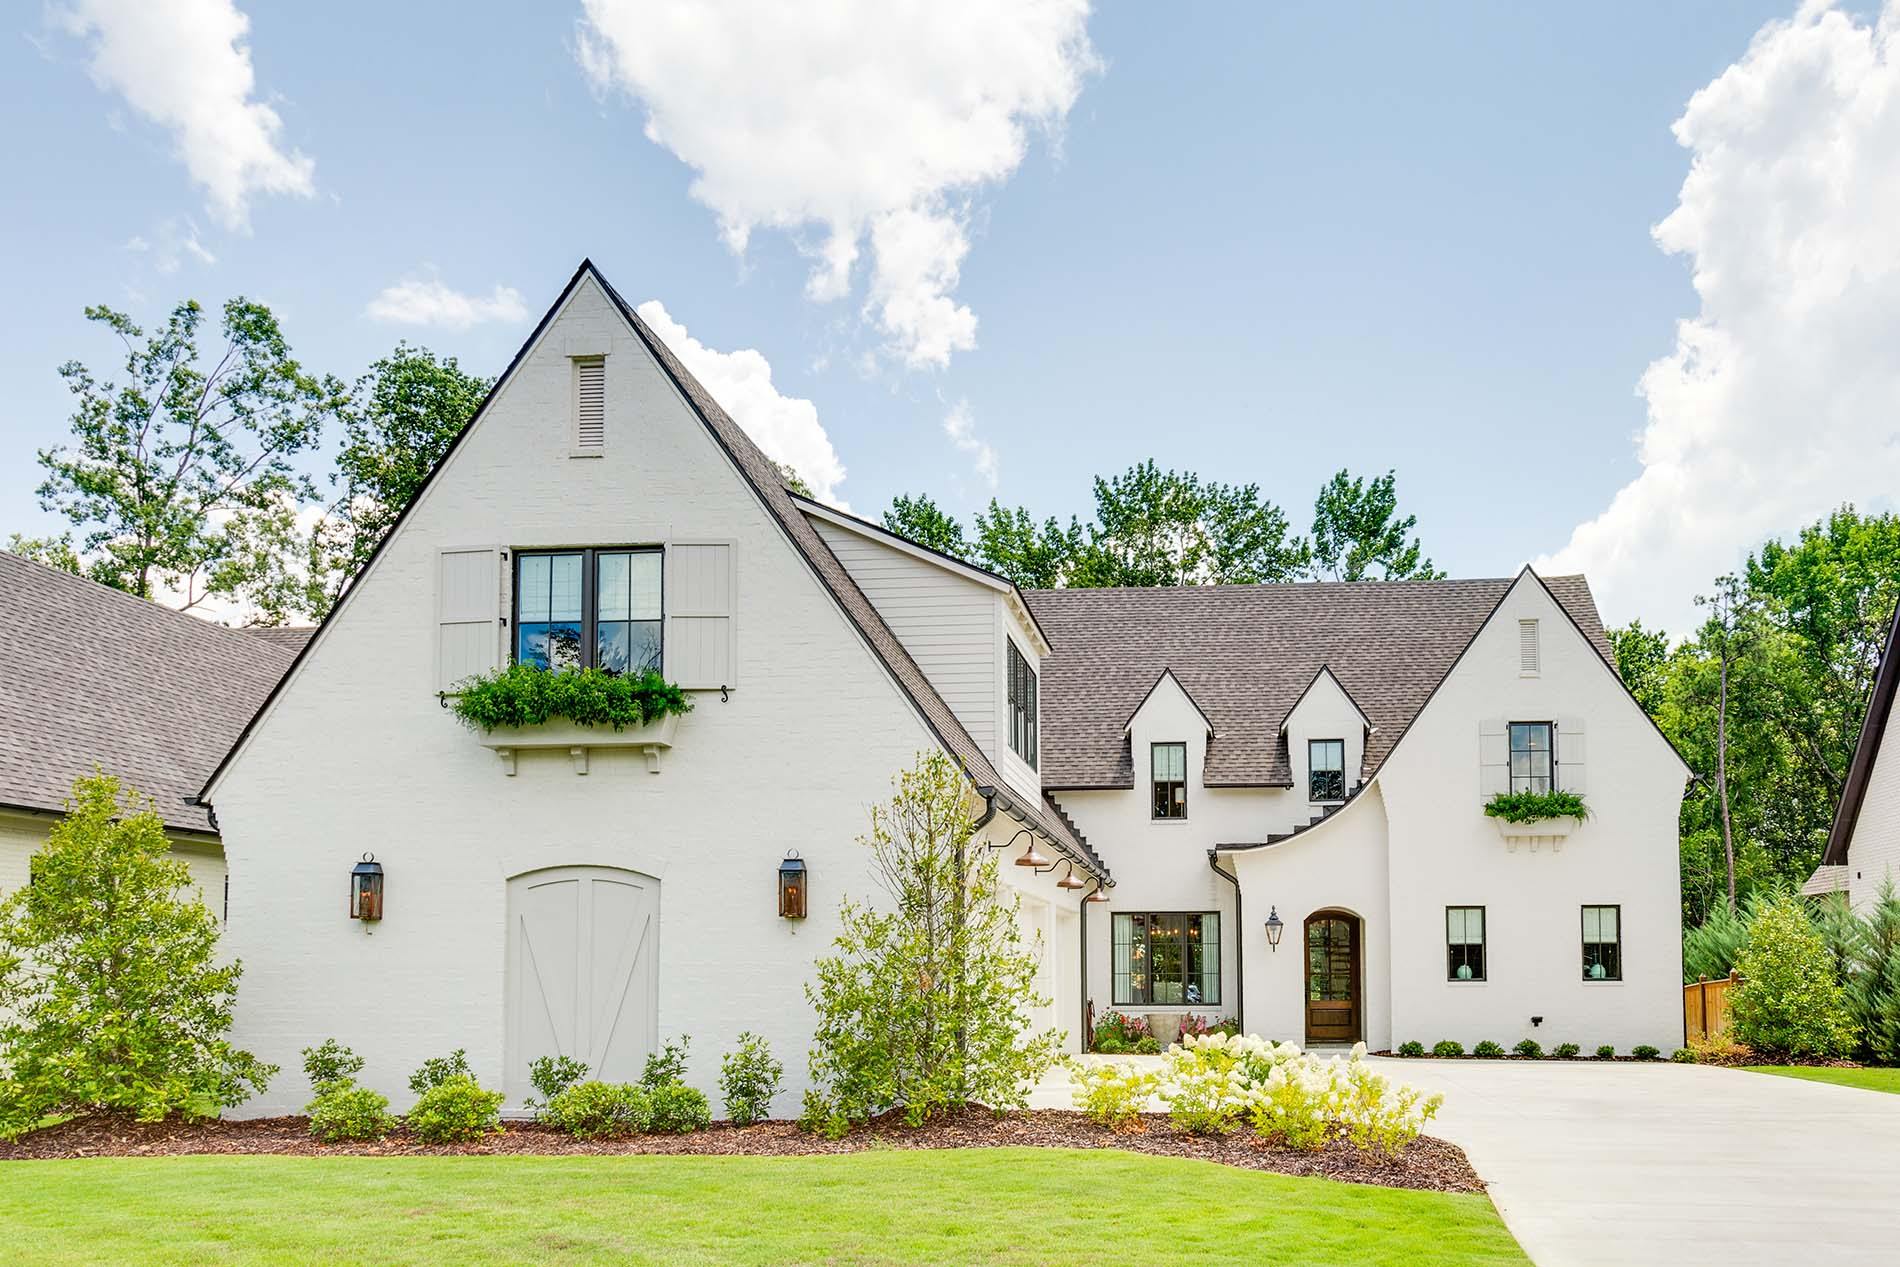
(1332, 978)
(582, 976)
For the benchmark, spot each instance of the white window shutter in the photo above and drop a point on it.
(701, 649)
(1529, 652)
(1570, 754)
(1494, 759)
(468, 614)
(590, 403)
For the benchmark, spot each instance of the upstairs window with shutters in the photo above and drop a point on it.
(1022, 706)
(590, 405)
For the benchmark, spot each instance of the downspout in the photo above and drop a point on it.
(1088, 1036)
(1240, 947)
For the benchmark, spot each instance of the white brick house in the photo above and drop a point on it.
(1167, 751)
(1863, 847)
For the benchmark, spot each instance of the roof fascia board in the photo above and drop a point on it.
(1873, 729)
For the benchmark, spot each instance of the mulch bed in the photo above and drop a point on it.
(1427, 1164)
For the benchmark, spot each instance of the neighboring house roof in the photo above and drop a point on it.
(1872, 728)
(763, 476)
(90, 676)
(1824, 880)
(1246, 653)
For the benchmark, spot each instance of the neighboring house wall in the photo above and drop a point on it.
(1444, 851)
(1873, 853)
(23, 835)
(358, 755)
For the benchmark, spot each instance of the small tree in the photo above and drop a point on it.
(1873, 993)
(111, 999)
(1789, 1000)
(925, 1005)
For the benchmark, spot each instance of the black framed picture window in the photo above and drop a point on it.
(1326, 769)
(1533, 756)
(595, 608)
(1166, 959)
(1169, 765)
(1602, 943)
(1464, 943)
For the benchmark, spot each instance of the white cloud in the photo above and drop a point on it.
(169, 244)
(960, 426)
(786, 427)
(186, 65)
(871, 121)
(1781, 398)
(426, 301)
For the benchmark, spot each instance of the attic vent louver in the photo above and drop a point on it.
(1527, 649)
(590, 403)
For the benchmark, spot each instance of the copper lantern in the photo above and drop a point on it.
(366, 890)
(791, 887)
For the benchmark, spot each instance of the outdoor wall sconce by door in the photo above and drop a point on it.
(366, 891)
(1275, 926)
(791, 887)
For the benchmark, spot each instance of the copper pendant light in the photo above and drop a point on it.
(1031, 858)
(1070, 880)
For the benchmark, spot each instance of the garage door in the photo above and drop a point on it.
(582, 961)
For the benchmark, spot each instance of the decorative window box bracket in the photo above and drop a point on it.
(652, 738)
(1552, 830)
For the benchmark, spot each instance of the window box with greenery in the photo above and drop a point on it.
(528, 706)
(1535, 816)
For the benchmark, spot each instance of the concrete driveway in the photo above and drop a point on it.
(1622, 1164)
(1674, 1164)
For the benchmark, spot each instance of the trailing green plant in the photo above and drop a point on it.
(345, 1111)
(1643, 1051)
(529, 695)
(330, 1063)
(1566, 1051)
(1535, 807)
(1411, 1049)
(599, 1110)
(1873, 992)
(1788, 1000)
(551, 1075)
(1530, 1049)
(667, 1065)
(1114, 1095)
(749, 1078)
(456, 1110)
(1606, 1052)
(678, 1109)
(1488, 1049)
(1448, 1048)
(439, 1069)
(927, 1004)
(113, 998)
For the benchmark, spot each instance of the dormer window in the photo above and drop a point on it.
(1169, 764)
(1022, 707)
(1326, 769)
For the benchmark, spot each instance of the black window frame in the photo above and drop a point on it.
(1021, 696)
(1121, 988)
(1156, 802)
(590, 607)
(1314, 793)
(1616, 953)
(1529, 782)
(1458, 954)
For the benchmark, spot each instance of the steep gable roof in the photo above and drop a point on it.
(762, 476)
(90, 676)
(1246, 653)
(1873, 729)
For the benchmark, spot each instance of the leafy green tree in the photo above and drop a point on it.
(53, 552)
(1642, 660)
(793, 480)
(401, 418)
(180, 478)
(1873, 991)
(111, 996)
(1712, 948)
(1155, 527)
(1357, 527)
(921, 520)
(1789, 1001)
(924, 1004)
(1011, 544)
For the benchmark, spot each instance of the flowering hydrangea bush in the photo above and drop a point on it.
(1215, 1082)
(1114, 1095)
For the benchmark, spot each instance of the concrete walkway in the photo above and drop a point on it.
(1622, 1164)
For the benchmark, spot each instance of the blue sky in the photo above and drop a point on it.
(1258, 242)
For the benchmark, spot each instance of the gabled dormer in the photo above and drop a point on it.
(1325, 733)
(1167, 735)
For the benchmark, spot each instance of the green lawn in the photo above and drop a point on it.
(992, 1206)
(1865, 1079)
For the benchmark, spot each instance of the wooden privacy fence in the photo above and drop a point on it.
(1705, 1008)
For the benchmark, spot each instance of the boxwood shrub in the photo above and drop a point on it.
(455, 1111)
(1530, 1049)
(343, 1111)
(1446, 1048)
(1488, 1050)
(678, 1109)
(1565, 1051)
(600, 1110)
(1411, 1049)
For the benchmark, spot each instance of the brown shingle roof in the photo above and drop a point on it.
(91, 676)
(1245, 653)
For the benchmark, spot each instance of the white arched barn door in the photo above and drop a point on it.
(582, 971)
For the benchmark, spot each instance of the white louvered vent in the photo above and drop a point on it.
(1527, 650)
(590, 403)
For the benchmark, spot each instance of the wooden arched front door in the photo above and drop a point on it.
(1332, 978)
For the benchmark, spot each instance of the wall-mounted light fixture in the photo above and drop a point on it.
(791, 887)
(1275, 926)
(366, 891)
(1070, 880)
